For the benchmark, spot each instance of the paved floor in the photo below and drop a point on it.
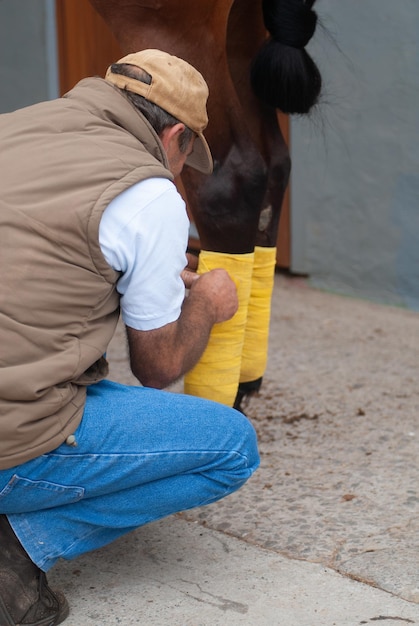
(327, 531)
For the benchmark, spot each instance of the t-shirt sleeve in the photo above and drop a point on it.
(143, 234)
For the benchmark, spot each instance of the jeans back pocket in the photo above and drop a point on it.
(22, 495)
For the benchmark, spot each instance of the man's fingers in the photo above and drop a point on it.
(192, 261)
(188, 278)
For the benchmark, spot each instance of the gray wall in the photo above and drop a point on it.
(28, 55)
(355, 179)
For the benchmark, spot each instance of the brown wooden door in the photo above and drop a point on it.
(86, 47)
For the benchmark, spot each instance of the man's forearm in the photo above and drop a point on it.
(160, 357)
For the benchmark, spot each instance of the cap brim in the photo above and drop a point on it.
(200, 159)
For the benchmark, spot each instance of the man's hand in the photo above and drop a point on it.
(216, 284)
(189, 274)
(220, 291)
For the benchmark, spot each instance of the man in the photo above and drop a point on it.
(91, 223)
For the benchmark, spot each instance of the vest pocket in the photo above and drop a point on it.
(22, 495)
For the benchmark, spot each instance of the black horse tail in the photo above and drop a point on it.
(283, 75)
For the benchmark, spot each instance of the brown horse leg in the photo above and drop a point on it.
(262, 122)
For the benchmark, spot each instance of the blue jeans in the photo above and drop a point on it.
(141, 454)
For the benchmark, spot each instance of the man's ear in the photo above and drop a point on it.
(170, 137)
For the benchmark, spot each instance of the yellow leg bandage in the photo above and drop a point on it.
(255, 347)
(216, 375)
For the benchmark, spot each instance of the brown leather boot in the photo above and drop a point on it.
(25, 598)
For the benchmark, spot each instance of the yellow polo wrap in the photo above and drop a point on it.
(216, 375)
(255, 346)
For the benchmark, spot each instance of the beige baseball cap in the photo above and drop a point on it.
(176, 87)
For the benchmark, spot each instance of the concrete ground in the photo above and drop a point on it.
(327, 531)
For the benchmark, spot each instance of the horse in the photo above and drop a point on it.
(252, 54)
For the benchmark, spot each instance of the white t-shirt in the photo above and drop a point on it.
(143, 233)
